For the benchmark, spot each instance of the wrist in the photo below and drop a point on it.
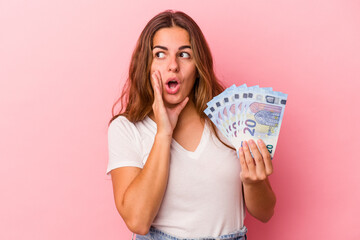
(165, 137)
(257, 184)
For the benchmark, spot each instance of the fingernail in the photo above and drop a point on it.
(241, 149)
(260, 142)
(245, 144)
(252, 143)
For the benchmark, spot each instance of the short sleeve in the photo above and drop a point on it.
(124, 145)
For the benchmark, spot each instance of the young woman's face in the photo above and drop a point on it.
(173, 58)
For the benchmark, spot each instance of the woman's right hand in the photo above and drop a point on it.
(165, 118)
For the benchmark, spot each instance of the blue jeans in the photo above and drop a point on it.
(156, 234)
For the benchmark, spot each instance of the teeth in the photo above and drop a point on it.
(172, 84)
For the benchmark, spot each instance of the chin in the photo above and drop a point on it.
(173, 101)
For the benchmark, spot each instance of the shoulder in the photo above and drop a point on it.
(121, 126)
(120, 122)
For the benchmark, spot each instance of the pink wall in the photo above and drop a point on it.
(62, 64)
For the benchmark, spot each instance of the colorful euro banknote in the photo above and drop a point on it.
(244, 113)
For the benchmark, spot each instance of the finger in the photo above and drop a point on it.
(248, 159)
(159, 82)
(266, 156)
(243, 164)
(156, 86)
(260, 167)
(158, 104)
(244, 174)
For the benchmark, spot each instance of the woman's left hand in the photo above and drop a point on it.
(254, 169)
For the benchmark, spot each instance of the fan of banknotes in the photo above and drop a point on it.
(244, 113)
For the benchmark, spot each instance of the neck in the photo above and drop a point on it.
(188, 115)
(188, 112)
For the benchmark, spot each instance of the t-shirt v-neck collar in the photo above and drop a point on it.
(199, 149)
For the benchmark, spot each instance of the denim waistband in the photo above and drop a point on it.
(156, 234)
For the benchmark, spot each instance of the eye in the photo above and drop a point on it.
(160, 54)
(184, 55)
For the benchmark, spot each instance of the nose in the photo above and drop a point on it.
(173, 64)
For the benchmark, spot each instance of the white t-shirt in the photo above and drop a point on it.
(203, 196)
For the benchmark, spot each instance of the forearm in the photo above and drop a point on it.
(143, 197)
(260, 200)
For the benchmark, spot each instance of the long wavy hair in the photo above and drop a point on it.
(137, 95)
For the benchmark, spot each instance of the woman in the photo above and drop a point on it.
(174, 176)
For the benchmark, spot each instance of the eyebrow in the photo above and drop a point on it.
(165, 48)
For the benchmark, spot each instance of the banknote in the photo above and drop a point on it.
(244, 113)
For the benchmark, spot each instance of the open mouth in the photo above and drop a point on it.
(172, 86)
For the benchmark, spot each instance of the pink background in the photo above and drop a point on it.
(62, 64)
